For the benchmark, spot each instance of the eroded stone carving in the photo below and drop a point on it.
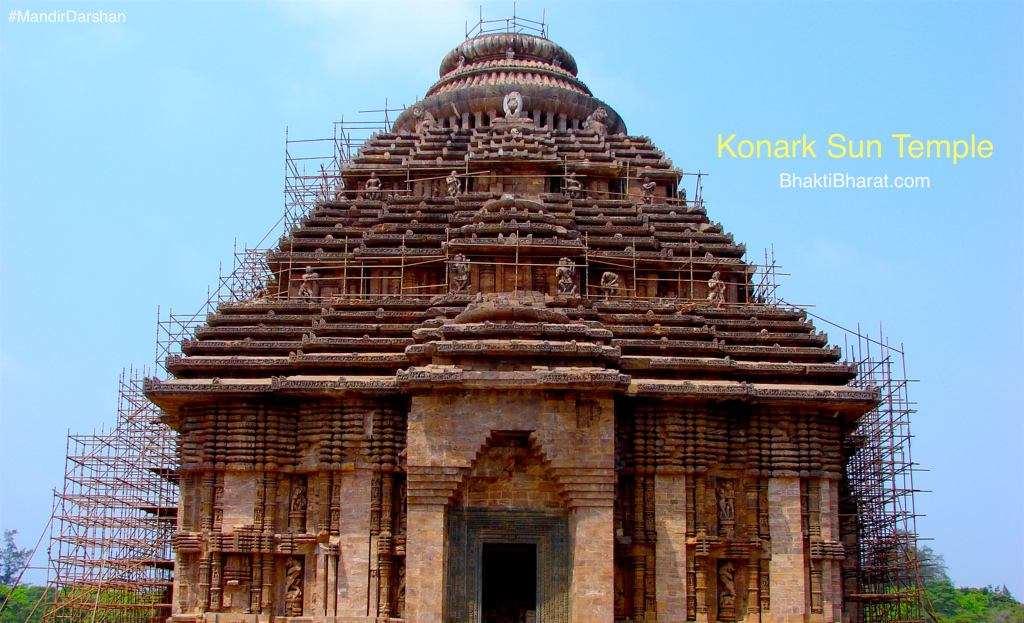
(610, 284)
(459, 270)
(716, 290)
(454, 184)
(726, 504)
(572, 186)
(307, 289)
(513, 104)
(293, 587)
(372, 188)
(424, 119)
(727, 590)
(566, 274)
(647, 191)
(597, 121)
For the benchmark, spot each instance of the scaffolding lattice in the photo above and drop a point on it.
(312, 172)
(110, 541)
(881, 572)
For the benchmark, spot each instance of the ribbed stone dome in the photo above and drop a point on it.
(478, 74)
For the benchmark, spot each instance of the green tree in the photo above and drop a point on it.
(12, 559)
(23, 604)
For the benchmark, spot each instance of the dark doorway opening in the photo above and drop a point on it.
(509, 578)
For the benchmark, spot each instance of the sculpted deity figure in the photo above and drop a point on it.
(716, 290)
(609, 284)
(513, 104)
(597, 121)
(566, 274)
(459, 274)
(647, 190)
(306, 288)
(299, 496)
(454, 185)
(372, 188)
(726, 504)
(424, 119)
(572, 186)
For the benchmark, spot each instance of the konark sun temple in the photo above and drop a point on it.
(503, 370)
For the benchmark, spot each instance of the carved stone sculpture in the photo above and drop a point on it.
(716, 290)
(372, 188)
(454, 185)
(572, 186)
(726, 504)
(647, 191)
(293, 587)
(727, 589)
(513, 104)
(597, 121)
(609, 284)
(307, 289)
(566, 273)
(424, 120)
(459, 274)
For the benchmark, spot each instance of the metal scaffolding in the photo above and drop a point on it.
(881, 572)
(110, 540)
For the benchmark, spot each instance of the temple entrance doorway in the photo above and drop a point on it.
(509, 583)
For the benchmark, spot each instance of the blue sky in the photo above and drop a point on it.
(134, 155)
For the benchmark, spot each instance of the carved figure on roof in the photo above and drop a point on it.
(459, 274)
(597, 121)
(339, 189)
(566, 274)
(647, 190)
(424, 119)
(716, 290)
(372, 188)
(513, 104)
(308, 285)
(572, 186)
(682, 195)
(510, 53)
(454, 185)
(610, 284)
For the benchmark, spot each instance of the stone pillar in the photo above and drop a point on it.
(353, 562)
(788, 580)
(670, 519)
(425, 564)
(832, 577)
(592, 532)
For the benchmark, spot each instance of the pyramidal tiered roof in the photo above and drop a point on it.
(508, 229)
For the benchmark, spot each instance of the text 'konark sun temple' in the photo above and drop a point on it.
(504, 371)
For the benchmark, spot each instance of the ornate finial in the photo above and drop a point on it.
(513, 104)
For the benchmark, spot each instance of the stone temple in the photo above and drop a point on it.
(505, 371)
